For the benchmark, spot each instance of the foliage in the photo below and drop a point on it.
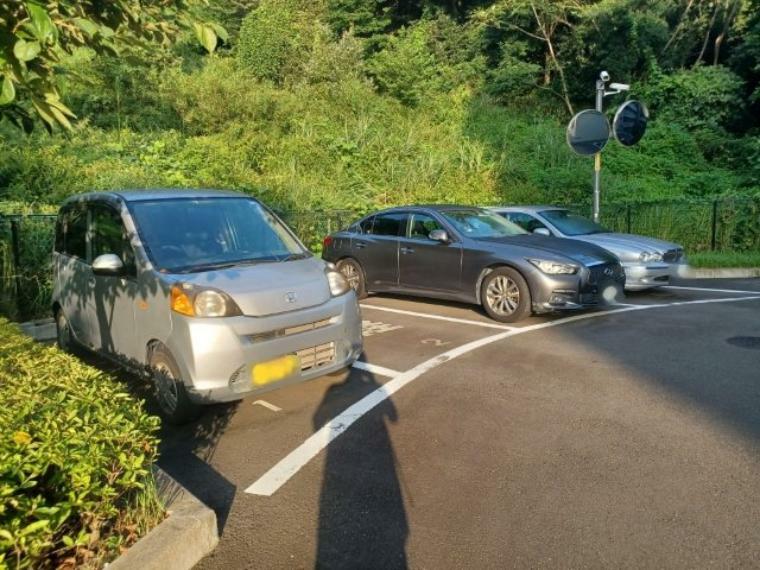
(75, 459)
(275, 37)
(33, 35)
(712, 259)
(697, 98)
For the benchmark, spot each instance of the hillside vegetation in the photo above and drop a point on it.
(355, 104)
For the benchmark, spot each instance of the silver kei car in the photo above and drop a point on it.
(648, 262)
(208, 291)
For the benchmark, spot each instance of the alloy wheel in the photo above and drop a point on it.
(166, 387)
(63, 331)
(503, 295)
(351, 273)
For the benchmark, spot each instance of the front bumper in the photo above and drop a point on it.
(216, 355)
(645, 276)
(593, 286)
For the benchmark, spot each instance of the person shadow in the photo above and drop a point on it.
(362, 519)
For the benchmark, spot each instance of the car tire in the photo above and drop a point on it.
(505, 295)
(354, 274)
(64, 339)
(171, 393)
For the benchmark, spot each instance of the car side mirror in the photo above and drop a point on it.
(108, 264)
(439, 235)
(542, 231)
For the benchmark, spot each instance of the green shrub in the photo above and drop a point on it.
(75, 459)
(275, 38)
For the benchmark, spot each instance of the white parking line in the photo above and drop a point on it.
(278, 475)
(267, 405)
(375, 369)
(439, 317)
(710, 290)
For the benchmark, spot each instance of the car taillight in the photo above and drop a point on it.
(327, 242)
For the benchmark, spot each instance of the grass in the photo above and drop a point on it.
(710, 259)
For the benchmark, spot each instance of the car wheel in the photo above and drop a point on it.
(505, 295)
(64, 338)
(353, 273)
(171, 394)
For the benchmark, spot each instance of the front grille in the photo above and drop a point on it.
(672, 255)
(317, 356)
(269, 335)
(605, 272)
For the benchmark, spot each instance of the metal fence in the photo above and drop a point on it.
(727, 224)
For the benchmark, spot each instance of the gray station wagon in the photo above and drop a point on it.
(208, 291)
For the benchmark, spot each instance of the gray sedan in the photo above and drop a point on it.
(472, 255)
(648, 262)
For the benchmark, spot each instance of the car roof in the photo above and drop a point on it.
(435, 207)
(529, 208)
(140, 195)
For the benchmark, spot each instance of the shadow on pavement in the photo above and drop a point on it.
(185, 451)
(186, 454)
(362, 521)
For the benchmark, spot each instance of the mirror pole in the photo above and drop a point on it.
(598, 156)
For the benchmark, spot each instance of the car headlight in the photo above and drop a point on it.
(338, 284)
(554, 267)
(196, 302)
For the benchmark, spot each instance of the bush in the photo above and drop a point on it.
(275, 38)
(705, 97)
(75, 459)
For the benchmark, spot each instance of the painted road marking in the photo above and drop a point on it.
(375, 369)
(710, 290)
(267, 405)
(370, 328)
(278, 475)
(439, 317)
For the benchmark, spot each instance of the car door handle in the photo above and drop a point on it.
(360, 245)
(406, 250)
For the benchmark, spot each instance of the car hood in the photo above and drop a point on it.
(268, 288)
(624, 245)
(585, 253)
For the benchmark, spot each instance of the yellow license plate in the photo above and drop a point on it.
(273, 370)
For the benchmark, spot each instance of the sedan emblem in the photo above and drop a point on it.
(291, 297)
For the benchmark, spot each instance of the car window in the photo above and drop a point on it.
(186, 235)
(482, 224)
(108, 235)
(365, 226)
(571, 224)
(391, 224)
(71, 238)
(421, 225)
(525, 221)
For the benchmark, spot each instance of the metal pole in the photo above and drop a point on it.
(598, 155)
(714, 232)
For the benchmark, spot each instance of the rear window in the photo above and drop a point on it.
(186, 235)
(71, 232)
(389, 224)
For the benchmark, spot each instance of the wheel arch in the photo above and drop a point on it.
(489, 269)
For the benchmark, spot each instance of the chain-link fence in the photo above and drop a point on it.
(728, 224)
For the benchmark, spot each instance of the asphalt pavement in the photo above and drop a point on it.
(622, 437)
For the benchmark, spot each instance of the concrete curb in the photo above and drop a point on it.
(721, 272)
(42, 330)
(187, 535)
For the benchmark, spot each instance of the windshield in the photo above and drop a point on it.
(186, 235)
(481, 224)
(571, 224)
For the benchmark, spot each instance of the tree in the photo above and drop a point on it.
(35, 34)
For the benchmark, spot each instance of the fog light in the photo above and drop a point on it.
(557, 300)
